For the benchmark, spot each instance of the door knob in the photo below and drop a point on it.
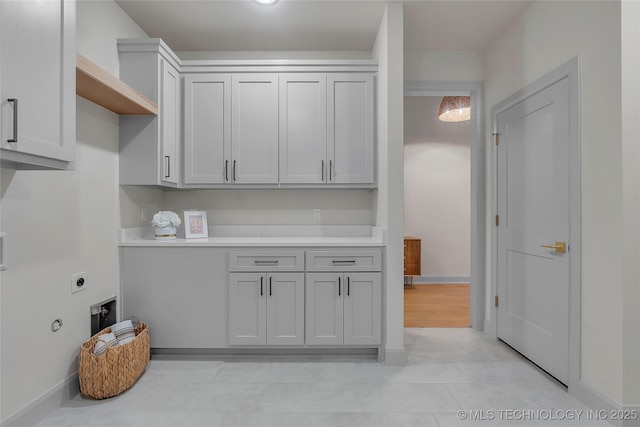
(559, 247)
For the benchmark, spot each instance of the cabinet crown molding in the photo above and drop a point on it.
(247, 65)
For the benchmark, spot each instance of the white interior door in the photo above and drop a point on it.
(533, 208)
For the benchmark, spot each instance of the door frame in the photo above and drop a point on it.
(569, 70)
(478, 187)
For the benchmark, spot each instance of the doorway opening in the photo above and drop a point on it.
(437, 216)
(445, 207)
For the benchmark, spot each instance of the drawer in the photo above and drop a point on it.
(266, 261)
(412, 269)
(344, 261)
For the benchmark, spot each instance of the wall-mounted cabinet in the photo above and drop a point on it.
(350, 145)
(303, 129)
(230, 129)
(326, 129)
(37, 81)
(254, 130)
(263, 124)
(150, 146)
(207, 128)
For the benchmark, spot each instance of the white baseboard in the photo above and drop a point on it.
(605, 407)
(55, 398)
(395, 356)
(441, 280)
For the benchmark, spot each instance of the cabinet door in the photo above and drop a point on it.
(254, 139)
(207, 128)
(247, 309)
(303, 128)
(170, 124)
(37, 40)
(350, 129)
(285, 309)
(362, 308)
(324, 313)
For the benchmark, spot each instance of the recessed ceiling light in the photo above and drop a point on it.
(266, 2)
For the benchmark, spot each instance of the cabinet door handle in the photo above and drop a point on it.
(168, 159)
(270, 285)
(339, 287)
(226, 170)
(14, 101)
(234, 171)
(322, 169)
(348, 286)
(261, 292)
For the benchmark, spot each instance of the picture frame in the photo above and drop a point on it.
(195, 225)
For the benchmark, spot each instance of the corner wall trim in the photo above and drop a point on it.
(55, 398)
(395, 356)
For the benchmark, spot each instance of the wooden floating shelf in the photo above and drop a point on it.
(100, 87)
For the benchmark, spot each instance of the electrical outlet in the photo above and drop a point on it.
(317, 214)
(78, 282)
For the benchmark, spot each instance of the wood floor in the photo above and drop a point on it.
(436, 306)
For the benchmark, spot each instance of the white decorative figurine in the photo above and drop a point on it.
(166, 223)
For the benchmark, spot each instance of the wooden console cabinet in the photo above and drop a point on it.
(411, 257)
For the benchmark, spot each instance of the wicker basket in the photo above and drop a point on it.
(117, 369)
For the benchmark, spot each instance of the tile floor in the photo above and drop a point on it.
(448, 370)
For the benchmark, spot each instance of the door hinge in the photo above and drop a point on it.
(497, 301)
(497, 220)
(496, 138)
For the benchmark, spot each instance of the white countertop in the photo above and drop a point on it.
(263, 236)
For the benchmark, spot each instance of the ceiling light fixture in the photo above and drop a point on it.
(266, 2)
(455, 109)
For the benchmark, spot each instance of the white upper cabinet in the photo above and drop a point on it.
(37, 84)
(303, 128)
(266, 124)
(207, 128)
(326, 129)
(150, 145)
(350, 142)
(170, 122)
(254, 136)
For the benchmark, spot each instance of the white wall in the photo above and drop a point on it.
(281, 206)
(631, 200)
(545, 36)
(443, 66)
(437, 189)
(59, 223)
(388, 50)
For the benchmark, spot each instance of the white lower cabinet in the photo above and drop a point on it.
(343, 308)
(179, 292)
(266, 308)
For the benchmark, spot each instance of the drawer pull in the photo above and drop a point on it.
(14, 101)
(266, 262)
(344, 261)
